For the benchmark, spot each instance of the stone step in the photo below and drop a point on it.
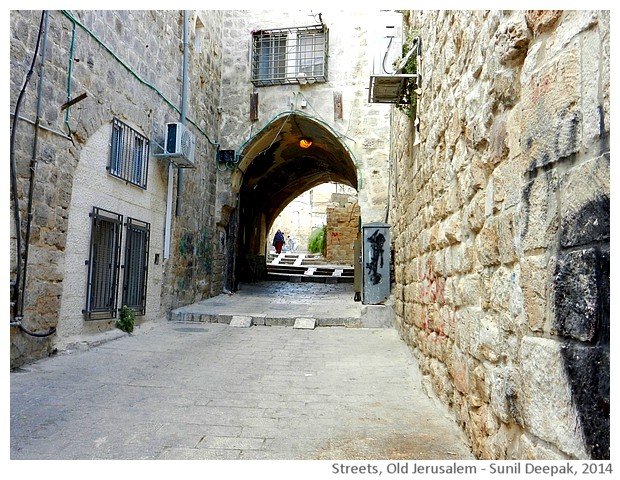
(185, 315)
(295, 278)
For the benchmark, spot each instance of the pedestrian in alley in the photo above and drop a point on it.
(291, 244)
(278, 241)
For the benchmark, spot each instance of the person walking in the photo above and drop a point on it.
(278, 241)
(291, 244)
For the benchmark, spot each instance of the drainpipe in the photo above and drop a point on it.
(168, 223)
(33, 160)
(183, 101)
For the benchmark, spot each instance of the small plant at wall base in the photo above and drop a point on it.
(126, 320)
(316, 242)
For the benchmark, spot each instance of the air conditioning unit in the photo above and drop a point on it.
(388, 42)
(180, 144)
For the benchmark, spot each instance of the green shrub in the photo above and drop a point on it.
(410, 98)
(126, 320)
(316, 242)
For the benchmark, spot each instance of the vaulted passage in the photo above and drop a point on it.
(274, 169)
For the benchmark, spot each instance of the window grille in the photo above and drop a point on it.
(129, 154)
(136, 265)
(289, 55)
(103, 264)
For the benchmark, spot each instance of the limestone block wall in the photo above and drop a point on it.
(341, 229)
(501, 234)
(363, 127)
(129, 66)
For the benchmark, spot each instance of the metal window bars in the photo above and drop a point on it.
(136, 265)
(103, 264)
(129, 154)
(289, 55)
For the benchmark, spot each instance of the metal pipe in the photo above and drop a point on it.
(42, 127)
(69, 74)
(183, 102)
(15, 294)
(168, 220)
(33, 161)
(168, 223)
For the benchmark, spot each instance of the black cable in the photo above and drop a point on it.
(387, 50)
(51, 331)
(15, 294)
(13, 173)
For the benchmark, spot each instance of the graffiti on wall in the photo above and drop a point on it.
(376, 240)
(582, 299)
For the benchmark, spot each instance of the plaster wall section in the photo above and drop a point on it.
(501, 227)
(363, 127)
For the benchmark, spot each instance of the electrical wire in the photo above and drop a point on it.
(134, 74)
(13, 172)
(15, 297)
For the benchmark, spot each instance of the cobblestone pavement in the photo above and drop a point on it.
(178, 390)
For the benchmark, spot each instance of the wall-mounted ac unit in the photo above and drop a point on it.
(180, 145)
(388, 42)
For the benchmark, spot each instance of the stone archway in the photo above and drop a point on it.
(274, 169)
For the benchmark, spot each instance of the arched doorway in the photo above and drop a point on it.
(275, 167)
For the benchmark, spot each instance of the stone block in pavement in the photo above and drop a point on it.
(305, 323)
(258, 319)
(377, 316)
(241, 321)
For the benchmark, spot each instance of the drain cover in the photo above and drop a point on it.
(190, 329)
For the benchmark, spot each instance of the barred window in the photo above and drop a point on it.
(136, 265)
(103, 264)
(129, 154)
(289, 55)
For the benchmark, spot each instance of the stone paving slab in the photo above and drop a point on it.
(177, 390)
(241, 321)
(307, 323)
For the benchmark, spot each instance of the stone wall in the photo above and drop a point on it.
(341, 229)
(129, 66)
(500, 220)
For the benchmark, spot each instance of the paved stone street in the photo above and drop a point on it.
(196, 390)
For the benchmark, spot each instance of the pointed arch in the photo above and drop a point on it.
(274, 169)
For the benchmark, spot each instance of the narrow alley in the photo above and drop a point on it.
(256, 393)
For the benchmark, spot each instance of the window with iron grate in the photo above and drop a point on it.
(136, 265)
(129, 154)
(289, 55)
(103, 264)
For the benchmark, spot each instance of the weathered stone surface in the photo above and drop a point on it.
(305, 323)
(535, 284)
(577, 294)
(377, 316)
(511, 182)
(541, 20)
(585, 206)
(241, 321)
(544, 383)
(512, 39)
(539, 213)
